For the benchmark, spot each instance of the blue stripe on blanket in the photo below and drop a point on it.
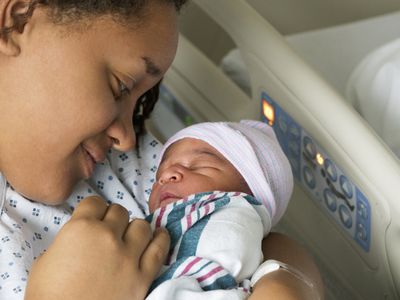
(227, 282)
(252, 200)
(173, 225)
(191, 238)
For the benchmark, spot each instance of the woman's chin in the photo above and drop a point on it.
(48, 196)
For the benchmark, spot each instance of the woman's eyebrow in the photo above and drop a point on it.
(151, 67)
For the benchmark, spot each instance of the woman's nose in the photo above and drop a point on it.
(172, 174)
(121, 132)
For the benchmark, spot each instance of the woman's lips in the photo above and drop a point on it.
(90, 164)
(98, 155)
(92, 157)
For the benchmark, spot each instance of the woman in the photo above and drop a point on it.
(71, 74)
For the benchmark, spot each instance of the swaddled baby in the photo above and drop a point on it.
(219, 188)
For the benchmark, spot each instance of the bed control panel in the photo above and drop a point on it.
(320, 176)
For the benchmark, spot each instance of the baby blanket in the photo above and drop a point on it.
(215, 245)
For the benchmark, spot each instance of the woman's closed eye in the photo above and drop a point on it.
(123, 90)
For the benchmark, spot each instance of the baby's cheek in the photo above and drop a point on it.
(151, 206)
(153, 198)
(198, 186)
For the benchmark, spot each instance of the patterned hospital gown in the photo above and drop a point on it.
(27, 228)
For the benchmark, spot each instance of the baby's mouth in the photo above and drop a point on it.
(167, 198)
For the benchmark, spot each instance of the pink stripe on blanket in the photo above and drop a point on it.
(207, 208)
(189, 216)
(191, 264)
(160, 216)
(209, 274)
(212, 196)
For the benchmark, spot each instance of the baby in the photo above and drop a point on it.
(219, 188)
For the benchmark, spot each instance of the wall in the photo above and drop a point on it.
(290, 16)
(287, 16)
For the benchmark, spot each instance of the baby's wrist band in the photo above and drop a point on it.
(272, 265)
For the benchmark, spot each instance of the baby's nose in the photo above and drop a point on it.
(172, 174)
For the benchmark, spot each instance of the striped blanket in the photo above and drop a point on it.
(215, 240)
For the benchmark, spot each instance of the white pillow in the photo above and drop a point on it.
(374, 90)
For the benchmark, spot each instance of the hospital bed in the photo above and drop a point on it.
(345, 206)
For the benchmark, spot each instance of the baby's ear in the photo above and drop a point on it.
(13, 17)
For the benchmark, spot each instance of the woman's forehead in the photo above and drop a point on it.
(141, 48)
(154, 42)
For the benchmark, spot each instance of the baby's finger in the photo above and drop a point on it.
(137, 236)
(90, 207)
(117, 218)
(155, 254)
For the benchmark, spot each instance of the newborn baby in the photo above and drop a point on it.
(219, 188)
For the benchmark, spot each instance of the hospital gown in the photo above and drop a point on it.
(215, 246)
(27, 228)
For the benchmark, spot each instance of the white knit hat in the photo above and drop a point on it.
(252, 148)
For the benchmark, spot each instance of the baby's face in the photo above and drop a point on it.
(191, 166)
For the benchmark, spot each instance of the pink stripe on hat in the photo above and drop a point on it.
(252, 148)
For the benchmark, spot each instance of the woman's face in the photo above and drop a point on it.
(63, 98)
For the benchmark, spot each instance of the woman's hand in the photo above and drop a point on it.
(98, 254)
(281, 285)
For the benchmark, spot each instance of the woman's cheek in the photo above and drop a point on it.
(100, 117)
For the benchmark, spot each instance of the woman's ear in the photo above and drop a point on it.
(13, 17)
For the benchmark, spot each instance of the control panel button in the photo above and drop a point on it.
(294, 164)
(330, 169)
(346, 186)
(294, 131)
(345, 216)
(294, 147)
(362, 232)
(309, 177)
(330, 200)
(282, 124)
(309, 147)
(362, 210)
